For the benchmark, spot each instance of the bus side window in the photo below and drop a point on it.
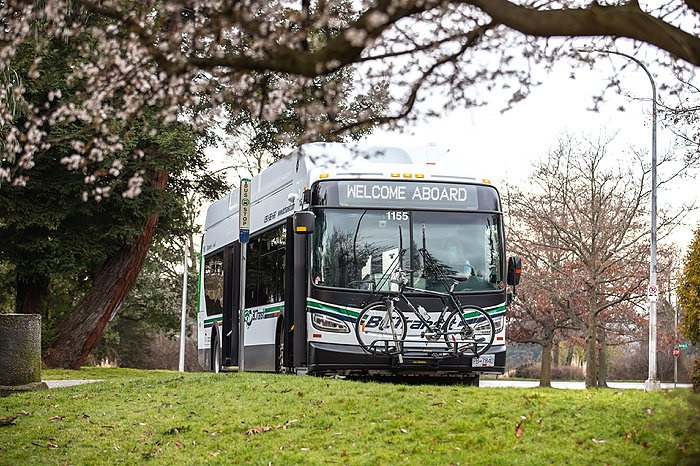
(265, 268)
(214, 283)
(252, 275)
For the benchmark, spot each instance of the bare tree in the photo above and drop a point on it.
(585, 220)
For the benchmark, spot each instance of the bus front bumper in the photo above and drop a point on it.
(348, 359)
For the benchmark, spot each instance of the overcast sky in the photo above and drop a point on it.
(503, 146)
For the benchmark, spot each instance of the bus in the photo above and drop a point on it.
(293, 297)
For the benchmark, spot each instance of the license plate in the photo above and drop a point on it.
(487, 360)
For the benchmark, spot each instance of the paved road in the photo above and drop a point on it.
(570, 385)
(483, 383)
(69, 383)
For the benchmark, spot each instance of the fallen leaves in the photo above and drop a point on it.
(267, 428)
(8, 421)
(258, 430)
(519, 429)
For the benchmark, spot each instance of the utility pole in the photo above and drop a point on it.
(652, 383)
(183, 317)
(675, 343)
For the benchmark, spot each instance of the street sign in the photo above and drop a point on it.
(653, 292)
(244, 211)
(682, 345)
(676, 352)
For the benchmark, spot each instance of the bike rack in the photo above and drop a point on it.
(438, 350)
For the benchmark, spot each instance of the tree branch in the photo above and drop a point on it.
(626, 20)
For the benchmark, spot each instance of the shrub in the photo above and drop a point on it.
(695, 376)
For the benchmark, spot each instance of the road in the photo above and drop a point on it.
(570, 385)
(492, 383)
(68, 383)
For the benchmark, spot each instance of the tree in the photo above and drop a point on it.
(55, 235)
(689, 291)
(168, 55)
(536, 316)
(539, 313)
(585, 222)
(89, 250)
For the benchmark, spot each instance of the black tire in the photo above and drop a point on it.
(374, 313)
(476, 327)
(215, 354)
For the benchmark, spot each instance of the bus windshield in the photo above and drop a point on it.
(354, 248)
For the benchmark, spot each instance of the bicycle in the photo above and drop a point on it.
(381, 327)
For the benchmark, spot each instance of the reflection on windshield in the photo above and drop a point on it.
(355, 248)
(462, 244)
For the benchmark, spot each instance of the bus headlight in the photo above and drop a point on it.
(498, 323)
(329, 324)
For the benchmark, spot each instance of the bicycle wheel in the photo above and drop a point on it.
(471, 329)
(375, 332)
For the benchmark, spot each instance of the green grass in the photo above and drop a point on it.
(134, 416)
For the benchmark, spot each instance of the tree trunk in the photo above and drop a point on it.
(546, 365)
(31, 294)
(80, 331)
(591, 351)
(602, 359)
(555, 354)
(569, 354)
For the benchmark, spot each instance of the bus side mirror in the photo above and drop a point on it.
(514, 267)
(304, 222)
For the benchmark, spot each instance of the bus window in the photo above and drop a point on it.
(214, 283)
(265, 268)
(465, 243)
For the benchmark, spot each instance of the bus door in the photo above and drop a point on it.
(232, 288)
(295, 300)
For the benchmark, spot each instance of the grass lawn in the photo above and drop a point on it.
(134, 416)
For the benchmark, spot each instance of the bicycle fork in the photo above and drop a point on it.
(388, 316)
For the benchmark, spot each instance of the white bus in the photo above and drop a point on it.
(302, 293)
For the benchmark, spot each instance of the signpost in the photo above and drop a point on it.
(183, 316)
(243, 236)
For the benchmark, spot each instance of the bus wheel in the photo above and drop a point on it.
(279, 349)
(215, 355)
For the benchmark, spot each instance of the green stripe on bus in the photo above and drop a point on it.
(330, 307)
(213, 319)
(272, 309)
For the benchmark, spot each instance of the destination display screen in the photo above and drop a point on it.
(405, 195)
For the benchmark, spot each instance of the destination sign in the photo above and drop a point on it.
(401, 194)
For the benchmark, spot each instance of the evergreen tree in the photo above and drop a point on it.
(689, 291)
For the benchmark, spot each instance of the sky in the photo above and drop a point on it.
(503, 146)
